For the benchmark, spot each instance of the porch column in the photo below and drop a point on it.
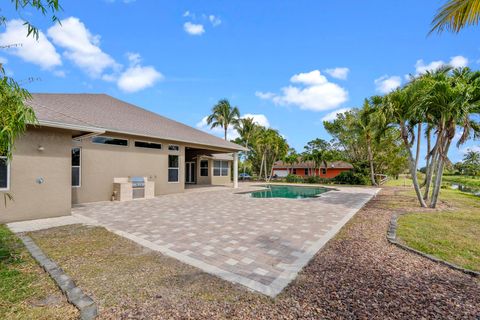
(235, 170)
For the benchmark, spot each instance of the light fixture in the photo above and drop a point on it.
(40, 148)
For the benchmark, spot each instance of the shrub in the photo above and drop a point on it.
(292, 178)
(350, 177)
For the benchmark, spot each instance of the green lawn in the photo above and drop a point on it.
(467, 181)
(452, 234)
(26, 291)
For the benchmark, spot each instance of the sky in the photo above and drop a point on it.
(289, 64)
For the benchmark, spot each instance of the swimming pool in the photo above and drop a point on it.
(287, 191)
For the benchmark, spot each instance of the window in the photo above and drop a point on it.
(172, 168)
(306, 172)
(173, 147)
(76, 171)
(4, 173)
(220, 168)
(294, 171)
(148, 145)
(324, 171)
(204, 168)
(110, 140)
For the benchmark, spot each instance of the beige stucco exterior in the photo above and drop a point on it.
(29, 166)
(100, 164)
(211, 179)
(45, 154)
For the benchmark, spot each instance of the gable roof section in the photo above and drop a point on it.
(101, 112)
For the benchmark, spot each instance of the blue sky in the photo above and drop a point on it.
(289, 63)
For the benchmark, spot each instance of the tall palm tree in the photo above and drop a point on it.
(223, 115)
(455, 15)
(401, 109)
(291, 159)
(246, 128)
(452, 101)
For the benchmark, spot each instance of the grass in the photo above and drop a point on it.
(451, 234)
(466, 181)
(26, 291)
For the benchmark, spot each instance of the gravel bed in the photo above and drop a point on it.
(357, 275)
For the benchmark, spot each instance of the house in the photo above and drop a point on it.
(82, 142)
(306, 168)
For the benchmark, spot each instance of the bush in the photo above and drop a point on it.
(318, 180)
(292, 178)
(350, 177)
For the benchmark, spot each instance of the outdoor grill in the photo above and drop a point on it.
(138, 187)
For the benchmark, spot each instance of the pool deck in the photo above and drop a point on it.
(259, 243)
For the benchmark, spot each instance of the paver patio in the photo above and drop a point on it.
(259, 243)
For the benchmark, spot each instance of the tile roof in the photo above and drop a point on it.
(309, 164)
(103, 112)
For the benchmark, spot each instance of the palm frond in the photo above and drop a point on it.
(455, 15)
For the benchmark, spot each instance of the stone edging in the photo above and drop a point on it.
(75, 295)
(392, 238)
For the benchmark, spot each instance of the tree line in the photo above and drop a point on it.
(436, 106)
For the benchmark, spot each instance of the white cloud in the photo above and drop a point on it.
(81, 46)
(232, 134)
(455, 62)
(386, 84)
(193, 29)
(458, 62)
(315, 93)
(333, 115)
(40, 52)
(265, 95)
(136, 77)
(310, 78)
(338, 73)
(214, 20)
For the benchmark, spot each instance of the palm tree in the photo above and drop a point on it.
(369, 125)
(246, 128)
(223, 115)
(291, 159)
(455, 15)
(452, 99)
(401, 109)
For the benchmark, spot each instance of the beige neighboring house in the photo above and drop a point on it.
(83, 141)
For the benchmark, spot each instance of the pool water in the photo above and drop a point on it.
(290, 192)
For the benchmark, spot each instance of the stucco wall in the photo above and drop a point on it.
(102, 163)
(204, 180)
(31, 199)
(222, 180)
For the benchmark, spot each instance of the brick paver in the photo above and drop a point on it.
(259, 243)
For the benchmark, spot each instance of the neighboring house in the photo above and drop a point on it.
(305, 168)
(83, 141)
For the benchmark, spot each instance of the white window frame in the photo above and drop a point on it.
(174, 145)
(161, 145)
(110, 145)
(79, 169)
(178, 169)
(203, 160)
(8, 174)
(221, 167)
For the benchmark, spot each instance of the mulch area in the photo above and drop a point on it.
(357, 275)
